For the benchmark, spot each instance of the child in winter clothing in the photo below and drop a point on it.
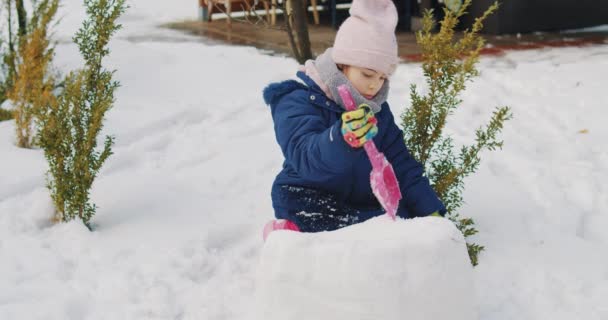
(325, 183)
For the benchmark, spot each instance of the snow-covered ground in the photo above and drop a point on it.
(183, 200)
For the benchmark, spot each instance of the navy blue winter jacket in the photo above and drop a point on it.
(308, 129)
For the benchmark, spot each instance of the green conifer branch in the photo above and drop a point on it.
(32, 83)
(448, 64)
(70, 131)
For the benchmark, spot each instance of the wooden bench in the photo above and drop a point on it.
(209, 7)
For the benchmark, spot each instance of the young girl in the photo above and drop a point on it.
(325, 181)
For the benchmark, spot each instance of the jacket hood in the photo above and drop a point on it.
(275, 91)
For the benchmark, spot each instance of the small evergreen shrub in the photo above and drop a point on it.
(70, 128)
(32, 84)
(6, 114)
(448, 64)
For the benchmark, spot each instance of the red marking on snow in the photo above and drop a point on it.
(498, 50)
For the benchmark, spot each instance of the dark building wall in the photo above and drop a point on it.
(515, 16)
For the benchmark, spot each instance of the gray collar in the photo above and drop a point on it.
(333, 77)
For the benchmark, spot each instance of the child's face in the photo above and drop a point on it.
(368, 82)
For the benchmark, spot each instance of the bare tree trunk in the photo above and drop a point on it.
(21, 17)
(296, 24)
(9, 58)
(292, 41)
(9, 16)
(297, 28)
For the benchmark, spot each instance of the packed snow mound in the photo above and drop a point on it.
(379, 269)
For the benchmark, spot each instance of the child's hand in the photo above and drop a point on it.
(359, 126)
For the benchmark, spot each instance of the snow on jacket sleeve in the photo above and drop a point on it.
(418, 197)
(313, 147)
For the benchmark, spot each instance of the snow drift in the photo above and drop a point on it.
(379, 269)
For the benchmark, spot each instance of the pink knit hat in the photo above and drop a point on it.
(367, 38)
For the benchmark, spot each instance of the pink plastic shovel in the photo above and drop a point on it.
(382, 178)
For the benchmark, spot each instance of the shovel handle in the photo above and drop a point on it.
(382, 178)
(347, 98)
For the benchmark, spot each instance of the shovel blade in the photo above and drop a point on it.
(386, 187)
(382, 178)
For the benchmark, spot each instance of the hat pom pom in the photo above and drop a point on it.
(381, 13)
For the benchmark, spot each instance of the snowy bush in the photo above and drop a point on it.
(6, 114)
(31, 88)
(69, 129)
(447, 66)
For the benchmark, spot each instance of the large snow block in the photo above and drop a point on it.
(380, 269)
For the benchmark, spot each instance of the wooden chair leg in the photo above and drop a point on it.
(273, 19)
(315, 12)
(245, 7)
(209, 9)
(267, 9)
(229, 11)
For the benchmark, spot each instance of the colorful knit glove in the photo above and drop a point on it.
(359, 126)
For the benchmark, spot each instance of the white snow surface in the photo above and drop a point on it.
(183, 200)
(380, 269)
